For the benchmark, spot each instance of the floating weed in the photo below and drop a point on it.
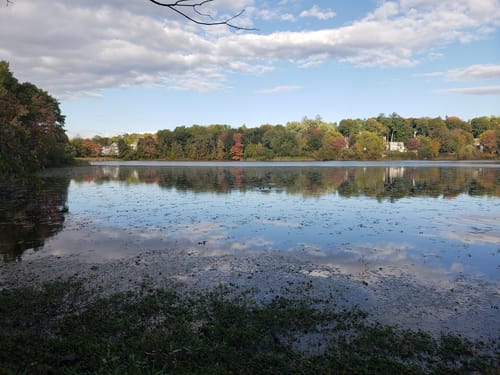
(63, 328)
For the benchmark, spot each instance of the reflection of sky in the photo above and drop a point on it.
(452, 236)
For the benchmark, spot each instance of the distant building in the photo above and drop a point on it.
(110, 150)
(395, 146)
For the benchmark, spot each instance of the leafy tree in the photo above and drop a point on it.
(165, 140)
(147, 148)
(350, 128)
(454, 122)
(439, 131)
(77, 146)
(480, 125)
(489, 140)
(311, 139)
(421, 126)
(429, 148)
(124, 150)
(372, 125)
(400, 129)
(31, 128)
(257, 152)
(237, 150)
(281, 141)
(254, 135)
(332, 145)
(90, 148)
(369, 145)
(413, 144)
(457, 142)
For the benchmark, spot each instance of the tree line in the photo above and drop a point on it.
(32, 134)
(313, 139)
(32, 137)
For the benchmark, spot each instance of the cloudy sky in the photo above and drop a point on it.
(131, 66)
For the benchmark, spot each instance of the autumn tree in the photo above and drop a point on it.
(147, 148)
(236, 150)
(489, 140)
(369, 145)
(333, 143)
(32, 134)
(90, 148)
(429, 148)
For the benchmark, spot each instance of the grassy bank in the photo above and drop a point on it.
(64, 328)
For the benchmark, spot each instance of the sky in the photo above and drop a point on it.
(131, 66)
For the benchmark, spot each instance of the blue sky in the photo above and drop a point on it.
(130, 66)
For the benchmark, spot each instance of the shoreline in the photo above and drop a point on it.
(469, 308)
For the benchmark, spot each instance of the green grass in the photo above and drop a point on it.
(62, 328)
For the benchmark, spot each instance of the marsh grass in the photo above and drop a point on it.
(64, 328)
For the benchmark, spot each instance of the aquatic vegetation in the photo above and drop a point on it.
(63, 327)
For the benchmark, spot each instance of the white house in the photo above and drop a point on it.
(395, 146)
(110, 150)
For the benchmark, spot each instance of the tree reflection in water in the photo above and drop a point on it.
(382, 182)
(30, 212)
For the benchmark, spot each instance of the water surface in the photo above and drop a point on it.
(432, 219)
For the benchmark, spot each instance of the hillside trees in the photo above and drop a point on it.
(32, 134)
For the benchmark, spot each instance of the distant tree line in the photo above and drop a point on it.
(313, 139)
(32, 134)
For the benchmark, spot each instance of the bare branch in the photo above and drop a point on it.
(178, 5)
(8, 2)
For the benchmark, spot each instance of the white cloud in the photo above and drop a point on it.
(474, 72)
(77, 47)
(279, 89)
(481, 90)
(318, 13)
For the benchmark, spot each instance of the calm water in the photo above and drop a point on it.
(431, 218)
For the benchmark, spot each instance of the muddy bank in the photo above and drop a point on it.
(392, 296)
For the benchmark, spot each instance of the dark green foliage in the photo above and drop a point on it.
(32, 132)
(62, 328)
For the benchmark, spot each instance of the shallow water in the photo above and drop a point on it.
(415, 243)
(440, 219)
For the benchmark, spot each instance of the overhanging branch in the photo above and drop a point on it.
(179, 6)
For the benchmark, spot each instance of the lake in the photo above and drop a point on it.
(434, 223)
